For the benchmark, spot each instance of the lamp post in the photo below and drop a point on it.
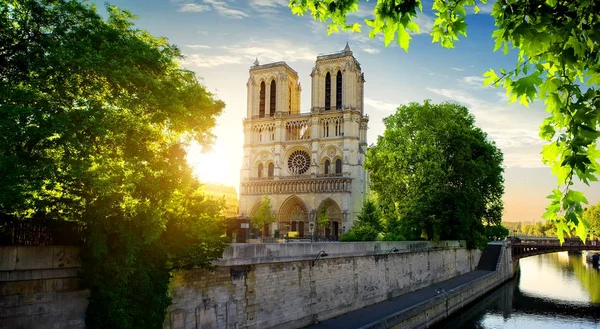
(321, 254)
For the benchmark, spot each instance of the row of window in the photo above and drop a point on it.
(326, 170)
(272, 97)
(270, 172)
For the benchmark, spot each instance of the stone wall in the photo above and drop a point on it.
(253, 285)
(284, 290)
(39, 288)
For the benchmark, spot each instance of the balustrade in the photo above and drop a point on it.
(300, 186)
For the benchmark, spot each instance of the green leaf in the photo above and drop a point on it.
(490, 76)
(476, 10)
(413, 27)
(575, 197)
(582, 229)
(403, 38)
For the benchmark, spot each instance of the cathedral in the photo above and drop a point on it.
(306, 163)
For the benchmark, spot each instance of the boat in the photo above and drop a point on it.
(592, 258)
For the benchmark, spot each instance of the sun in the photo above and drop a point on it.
(214, 166)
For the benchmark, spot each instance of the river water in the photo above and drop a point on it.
(552, 291)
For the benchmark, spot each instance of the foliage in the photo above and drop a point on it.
(322, 219)
(264, 215)
(95, 116)
(496, 231)
(360, 233)
(370, 216)
(368, 225)
(592, 216)
(558, 62)
(438, 173)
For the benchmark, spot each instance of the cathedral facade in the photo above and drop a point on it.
(306, 163)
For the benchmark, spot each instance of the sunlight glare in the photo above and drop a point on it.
(212, 166)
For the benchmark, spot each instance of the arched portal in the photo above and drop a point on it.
(334, 215)
(293, 216)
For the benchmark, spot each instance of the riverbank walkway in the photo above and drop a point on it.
(388, 313)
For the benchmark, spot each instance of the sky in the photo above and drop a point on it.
(222, 38)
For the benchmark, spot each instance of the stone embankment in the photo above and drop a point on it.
(253, 285)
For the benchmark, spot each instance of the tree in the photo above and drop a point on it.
(592, 216)
(368, 225)
(95, 116)
(496, 231)
(439, 172)
(557, 43)
(322, 219)
(264, 215)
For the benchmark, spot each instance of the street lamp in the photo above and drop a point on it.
(321, 254)
(391, 251)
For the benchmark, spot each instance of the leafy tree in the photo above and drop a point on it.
(322, 219)
(439, 172)
(264, 215)
(496, 231)
(95, 116)
(368, 225)
(558, 62)
(592, 216)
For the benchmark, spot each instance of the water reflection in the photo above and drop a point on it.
(552, 291)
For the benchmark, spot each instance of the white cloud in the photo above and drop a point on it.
(457, 69)
(224, 10)
(268, 3)
(425, 22)
(265, 50)
(459, 96)
(487, 8)
(199, 60)
(364, 11)
(372, 51)
(192, 7)
(381, 106)
(472, 81)
(198, 46)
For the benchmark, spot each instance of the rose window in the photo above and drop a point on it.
(299, 162)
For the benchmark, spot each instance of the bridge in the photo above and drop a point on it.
(522, 247)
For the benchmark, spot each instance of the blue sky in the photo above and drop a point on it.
(221, 40)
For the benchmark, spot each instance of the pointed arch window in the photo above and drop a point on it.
(290, 99)
(327, 163)
(273, 98)
(338, 166)
(261, 106)
(260, 170)
(338, 90)
(271, 169)
(327, 91)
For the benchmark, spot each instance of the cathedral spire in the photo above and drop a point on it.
(256, 61)
(347, 48)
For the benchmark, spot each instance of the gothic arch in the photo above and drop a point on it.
(334, 215)
(254, 209)
(331, 152)
(293, 216)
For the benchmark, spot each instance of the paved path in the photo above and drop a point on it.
(375, 312)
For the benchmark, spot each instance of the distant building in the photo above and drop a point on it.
(306, 162)
(220, 191)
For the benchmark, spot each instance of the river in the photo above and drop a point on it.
(552, 291)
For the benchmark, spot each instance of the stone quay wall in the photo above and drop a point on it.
(252, 286)
(429, 312)
(39, 288)
(277, 286)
